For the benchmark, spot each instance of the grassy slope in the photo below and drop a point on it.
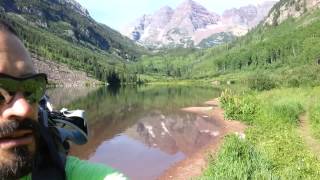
(272, 148)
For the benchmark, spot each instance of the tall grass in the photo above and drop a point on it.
(239, 159)
(237, 108)
(315, 119)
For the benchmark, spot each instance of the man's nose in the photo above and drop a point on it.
(19, 108)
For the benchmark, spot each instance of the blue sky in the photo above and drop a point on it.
(119, 13)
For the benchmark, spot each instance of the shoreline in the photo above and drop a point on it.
(193, 165)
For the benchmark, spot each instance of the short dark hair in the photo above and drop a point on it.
(5, 25)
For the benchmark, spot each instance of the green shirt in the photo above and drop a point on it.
(77, 169)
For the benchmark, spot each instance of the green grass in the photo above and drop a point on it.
(238, 159)
(273, 148)
(314, 114)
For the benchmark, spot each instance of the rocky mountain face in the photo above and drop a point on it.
(248, 16)
(190, 23)
(61, 75)
(290, 8)
(151, 24)
(76, 7)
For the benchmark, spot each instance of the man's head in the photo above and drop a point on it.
(14, 58)
(18, 114)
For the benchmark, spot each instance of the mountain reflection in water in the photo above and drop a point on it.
(175, 132)
(142, 131)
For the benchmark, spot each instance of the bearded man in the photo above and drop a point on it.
(27, 150)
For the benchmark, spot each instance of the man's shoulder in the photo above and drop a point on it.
(77, 169)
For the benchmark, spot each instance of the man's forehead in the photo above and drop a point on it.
(15, 68)
(14, 58)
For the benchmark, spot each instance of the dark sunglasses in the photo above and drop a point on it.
(32, 87)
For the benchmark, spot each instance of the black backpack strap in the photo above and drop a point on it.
(49, 163)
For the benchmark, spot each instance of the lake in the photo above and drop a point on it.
(140, 131)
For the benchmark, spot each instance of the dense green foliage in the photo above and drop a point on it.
(260, 82)
(176, 63)
(217, 39)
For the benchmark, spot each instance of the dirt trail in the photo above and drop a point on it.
(305, 132)
(193, 165)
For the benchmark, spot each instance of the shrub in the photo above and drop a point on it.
(239, 108)
(261, 82)
(285, 110)
(294, 82)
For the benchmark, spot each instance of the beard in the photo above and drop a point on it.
(18, 161)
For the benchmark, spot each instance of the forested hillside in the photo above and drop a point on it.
(63, 31)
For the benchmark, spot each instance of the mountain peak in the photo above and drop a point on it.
(164, 12)
(189, 2)
(193, 16)
(190, 5)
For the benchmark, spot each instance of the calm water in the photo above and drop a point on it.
(141, 131)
